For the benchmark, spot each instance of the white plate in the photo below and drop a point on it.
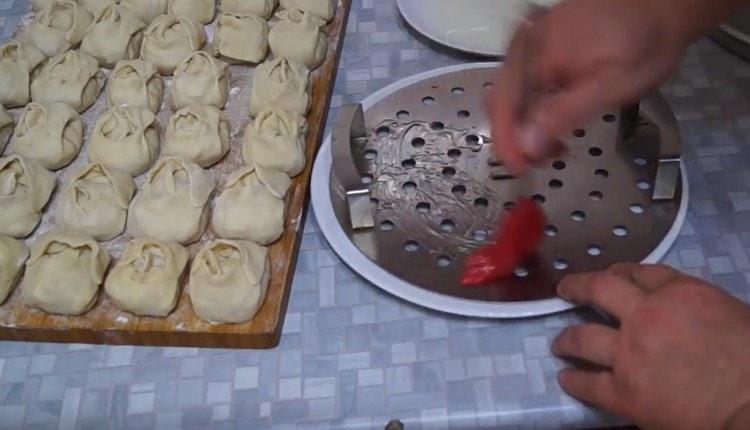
(354, 258)
(483, 27)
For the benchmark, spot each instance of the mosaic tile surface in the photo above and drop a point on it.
(353, 357)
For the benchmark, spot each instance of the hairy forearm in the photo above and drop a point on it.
(691, 19)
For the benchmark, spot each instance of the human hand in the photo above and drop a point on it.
(680, 358)
(580, 57)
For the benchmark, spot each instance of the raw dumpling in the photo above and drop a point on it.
(229, 281)
(172, 205)
(25, 188)
(64, 272)
(13, 255)
(18, 60)
(73, 78)
(251, 206)
(146, 10)
(58, 27)
(261, 8)
(241, 38)
(50, 133)
(96, 201)
(297, 35)
(276, 140)
(6, 128)
(200, 79)
(96, 6)
(115, 35)
(125, 138)
(146, 280)
(135, 83)
(322, 8)
(281, 84)
(169, 40)
(38, 5)
(198, 10)
(199, 134)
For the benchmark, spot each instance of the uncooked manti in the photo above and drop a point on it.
(280, 84)
(25, 189)
(125, 138)
(261, 8)
(201, 11)
(64, 272)
(73, 78)
(172, 204)
(276, 141)
(199, 134)
(51, 134)
(200, 79)
(135, 83)
(229, 281)
(146, 280)
(115, 35)
(241, 38)
(251, 206)
(58, 27)
(18, 61)
(169, 40)
(96, 201)
(298, 35)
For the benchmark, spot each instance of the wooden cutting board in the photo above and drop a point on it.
(106, 324)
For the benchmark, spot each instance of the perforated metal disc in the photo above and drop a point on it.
(437, 193)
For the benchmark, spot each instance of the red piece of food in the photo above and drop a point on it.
(518, 238)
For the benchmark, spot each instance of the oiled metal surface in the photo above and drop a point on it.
(438, 192)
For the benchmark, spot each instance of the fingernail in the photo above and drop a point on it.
(534, 141)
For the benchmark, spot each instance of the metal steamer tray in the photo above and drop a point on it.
(408, 186)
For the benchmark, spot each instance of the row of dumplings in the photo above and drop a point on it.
(64, 270)
(26, 74)
(203, 10)
(116, 32)
(173, 204)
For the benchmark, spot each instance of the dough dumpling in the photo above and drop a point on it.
(298, 36)
(73, 78)
(201, 11)
(125, 138)
(51, 134)
(25, 189)
(200, 79)
(199, 134)
(58, 27)
(13, 255)
(169, 40)
(241, 38)
(115, 35)
(146, 280)
(135, 83)
(96, 6)
(276, 140)
(261, 8)
(322, 8)
(64, 272)
(6, 128)
(146, 10)
(251, 206)
(172, 204)
(18, 60)
(229, 281)
(280, 84)
(96, 201)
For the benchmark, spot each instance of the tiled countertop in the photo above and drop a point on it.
(354, 357)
